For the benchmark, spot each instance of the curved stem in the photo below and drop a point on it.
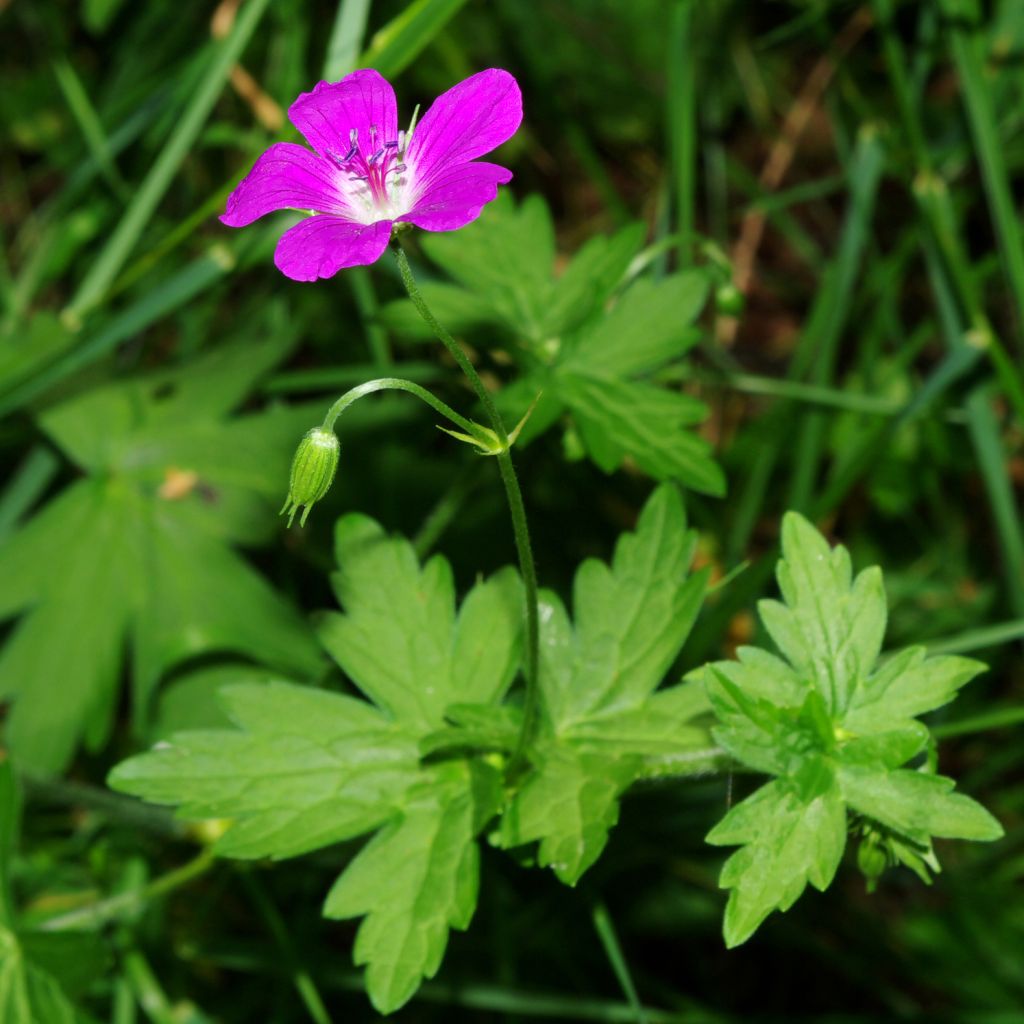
(395, 384)
(517, 510)
(92, 915)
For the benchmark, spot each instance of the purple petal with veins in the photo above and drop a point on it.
(330, 114)
(321, 246)
(470, 119)
(457, 196)
(286, 177)
(364, 173)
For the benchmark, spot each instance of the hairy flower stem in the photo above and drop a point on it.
(517, 511)
(395, 384)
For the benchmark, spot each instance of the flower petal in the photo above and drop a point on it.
(320, 246)
(457, 195)
(285, 177)
(470, 119)
(328, 114)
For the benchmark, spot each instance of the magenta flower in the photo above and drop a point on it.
(366, 175)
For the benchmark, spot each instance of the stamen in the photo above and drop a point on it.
(393, 144)
(351, 153)
(376, 156)
(412, 124)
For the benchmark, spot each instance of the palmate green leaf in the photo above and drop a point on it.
(411, 902)
(400, 639)
(917, 805)
(647, 326)
(22, 352)
(133, 555)
(569, 804)
(506, 258)
(305, 768)
(619, 419)
(584, 341)
(788, 838)
(505, 263)
(459, 309)
(835, 729)
(604, 725)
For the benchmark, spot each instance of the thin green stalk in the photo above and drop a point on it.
(301, 978)
(397, 384)
(1001, 718)
(896, 64)
(992, 461)
(445, 510)
(933, 197)
(818, 342)
(346, 40)
(366, 305)
(936, 206)
(682, 126)
(517, 510)
(108, 263)
(605, 929)
(812, 394)
(965, 42)
(985, 434)
(978, 639)
(148, 990)
(865, 176)
(95, 914)
(89, 122)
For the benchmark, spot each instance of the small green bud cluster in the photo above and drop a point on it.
(313, 469)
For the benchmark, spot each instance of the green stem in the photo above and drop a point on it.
(301, 977)
(397, 384)
(95, 914)
(517, 510)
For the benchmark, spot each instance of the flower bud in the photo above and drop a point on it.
(313, 469)
(729, 300)
(871, 859)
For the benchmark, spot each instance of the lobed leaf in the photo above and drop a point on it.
(827, 713)
(569, 803)
(916, 804)
(399, 638)
(604, 726)
(789, 839)
(619, 419)
(829, 630)
(416, 879)
(133, 555)
(648, 326)
(304, 768)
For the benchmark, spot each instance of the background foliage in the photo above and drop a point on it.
(852, 168)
